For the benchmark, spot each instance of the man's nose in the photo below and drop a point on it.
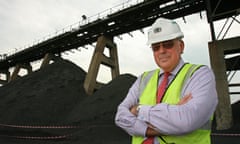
(161, 49)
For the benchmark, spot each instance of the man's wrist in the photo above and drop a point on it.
(138, 108)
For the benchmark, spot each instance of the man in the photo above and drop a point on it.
(181, 112)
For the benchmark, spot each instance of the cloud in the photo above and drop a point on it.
(24, 22)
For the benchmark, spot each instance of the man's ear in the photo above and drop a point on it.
(182, 46)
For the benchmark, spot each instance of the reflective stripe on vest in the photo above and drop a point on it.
(148, 89)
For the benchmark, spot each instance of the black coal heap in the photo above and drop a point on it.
(41, 107)
(50, 106)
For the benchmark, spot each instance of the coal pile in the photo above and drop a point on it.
(51, 106)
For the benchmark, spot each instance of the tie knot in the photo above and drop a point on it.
(166, 74)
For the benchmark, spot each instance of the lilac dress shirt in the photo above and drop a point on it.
(171, 119)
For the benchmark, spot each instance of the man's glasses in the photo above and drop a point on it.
(166, 44)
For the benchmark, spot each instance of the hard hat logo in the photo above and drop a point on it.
(157, 30)
(162, 30)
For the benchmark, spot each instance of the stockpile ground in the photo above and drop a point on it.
(50, 106)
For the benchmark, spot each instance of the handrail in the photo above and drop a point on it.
(76, 25)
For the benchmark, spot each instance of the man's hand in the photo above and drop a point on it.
(185, 99)
(133, 110)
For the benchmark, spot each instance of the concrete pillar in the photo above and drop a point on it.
(17, 69)
(46, 60)
(224, 111)
(7, 77)
(90, 83)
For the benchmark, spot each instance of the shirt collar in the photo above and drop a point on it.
(177, 68)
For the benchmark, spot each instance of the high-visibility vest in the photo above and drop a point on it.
(148, 89)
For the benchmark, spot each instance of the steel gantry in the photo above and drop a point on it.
(102, 27)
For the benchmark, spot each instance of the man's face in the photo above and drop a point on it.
(168, 53)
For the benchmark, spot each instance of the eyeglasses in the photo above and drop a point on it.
(166, 44)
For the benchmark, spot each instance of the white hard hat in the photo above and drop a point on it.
(162, 30)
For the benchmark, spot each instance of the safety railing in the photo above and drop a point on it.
(75, 26)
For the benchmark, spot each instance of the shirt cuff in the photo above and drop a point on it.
(140, 128)
(143, 113)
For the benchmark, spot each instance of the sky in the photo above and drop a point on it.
(25, 22)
